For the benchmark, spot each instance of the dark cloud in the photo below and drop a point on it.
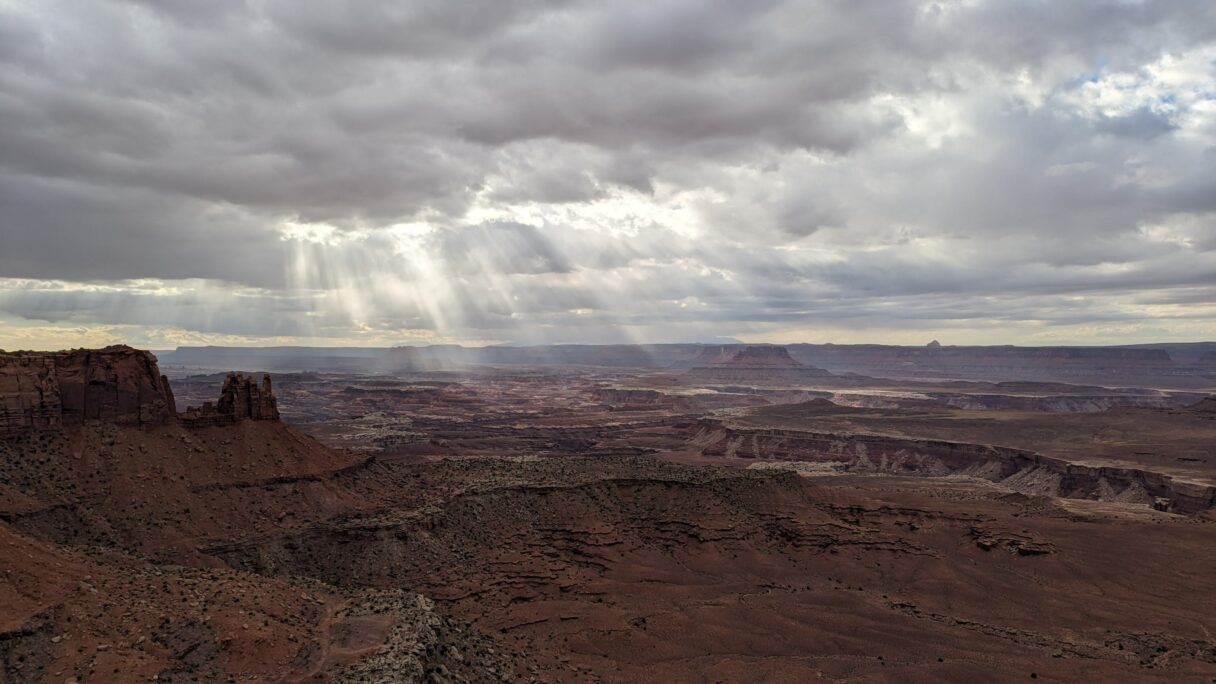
(66, 229)
(1141, 123)
(548, 169)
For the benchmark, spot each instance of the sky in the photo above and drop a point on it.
(374, 173)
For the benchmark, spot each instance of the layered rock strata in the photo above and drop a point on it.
(48, 390)
(118, 385)
(1020, 469)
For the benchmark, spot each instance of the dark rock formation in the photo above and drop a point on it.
(117, 384)
(752, 366)
(47, 390)
(240, 399)
(760, 357)
(1205, 405)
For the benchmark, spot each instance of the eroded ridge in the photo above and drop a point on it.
(559, 525)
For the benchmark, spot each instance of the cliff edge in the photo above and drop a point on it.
(49, 390)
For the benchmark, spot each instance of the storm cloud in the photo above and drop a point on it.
(511, 170)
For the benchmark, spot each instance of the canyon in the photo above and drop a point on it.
(574, 519)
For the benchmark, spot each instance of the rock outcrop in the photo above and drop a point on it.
(1205, 405)
(117, 385)
(756, 366)
(48, 390)
(1023, 470)
(639, 399)
(760, 357)
(241, 398)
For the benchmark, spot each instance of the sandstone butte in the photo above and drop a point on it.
(118, 385)
(761, 364)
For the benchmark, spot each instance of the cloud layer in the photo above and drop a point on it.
(565, 170)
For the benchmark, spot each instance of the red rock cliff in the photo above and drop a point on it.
(47, 390)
